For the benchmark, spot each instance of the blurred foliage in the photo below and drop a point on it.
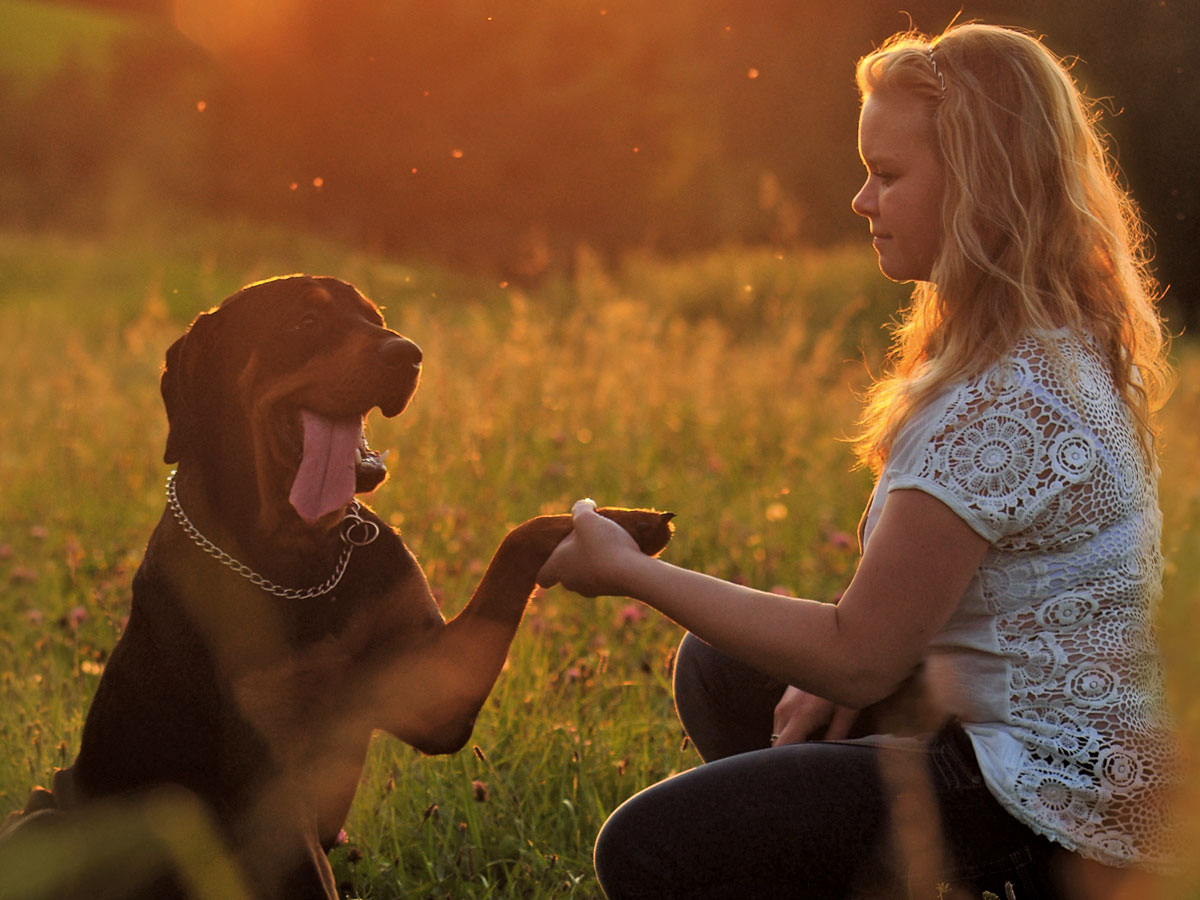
(716, 385)
(504, 135)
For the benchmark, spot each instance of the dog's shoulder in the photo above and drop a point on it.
(385, 580)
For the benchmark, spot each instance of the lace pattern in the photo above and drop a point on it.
(1040, 456)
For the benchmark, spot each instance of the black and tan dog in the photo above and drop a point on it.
(275, 621)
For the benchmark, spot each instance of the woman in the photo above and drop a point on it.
(1010, 549)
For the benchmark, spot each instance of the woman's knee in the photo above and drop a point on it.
(692, 660)
(626, 866)
(725, 706)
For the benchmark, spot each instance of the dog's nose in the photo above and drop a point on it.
(400, 353)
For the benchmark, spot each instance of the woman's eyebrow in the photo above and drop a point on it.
(879, 160)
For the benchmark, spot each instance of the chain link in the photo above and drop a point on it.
(350, 535)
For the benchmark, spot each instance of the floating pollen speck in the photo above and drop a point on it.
(753, 73)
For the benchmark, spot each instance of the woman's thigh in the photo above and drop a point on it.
(805, 820)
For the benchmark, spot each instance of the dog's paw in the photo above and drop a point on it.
(650, 528)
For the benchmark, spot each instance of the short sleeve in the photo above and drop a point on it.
(998, 449)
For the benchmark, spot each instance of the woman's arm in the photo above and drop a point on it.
(916, 566)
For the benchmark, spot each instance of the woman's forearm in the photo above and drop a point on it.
(916, 566)
(797, 641)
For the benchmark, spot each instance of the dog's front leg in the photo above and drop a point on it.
(438, 686)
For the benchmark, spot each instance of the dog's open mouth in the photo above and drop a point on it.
(335, 463)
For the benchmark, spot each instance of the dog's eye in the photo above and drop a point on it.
(308, 321)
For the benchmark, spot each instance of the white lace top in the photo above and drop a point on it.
(1050, 660)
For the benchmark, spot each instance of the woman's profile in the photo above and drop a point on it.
(1010, 563)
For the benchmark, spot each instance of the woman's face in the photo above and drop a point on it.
(902, 196)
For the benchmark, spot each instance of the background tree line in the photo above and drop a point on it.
(502, 135)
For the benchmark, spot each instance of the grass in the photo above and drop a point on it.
(36, 38)
(716, 387)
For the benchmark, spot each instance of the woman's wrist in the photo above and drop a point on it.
(635, 575)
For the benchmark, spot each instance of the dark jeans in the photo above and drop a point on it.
(820, 820)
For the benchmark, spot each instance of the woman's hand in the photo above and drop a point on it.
(590, 559)
(800, 716)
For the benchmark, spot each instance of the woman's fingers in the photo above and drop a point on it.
(801, 716)
(843, 720)
(549, 575)
(579, 561)
(798, 715)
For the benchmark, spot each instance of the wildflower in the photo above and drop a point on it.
(630, 614)
(22, 575)
(35, 617)
(479, 790)
(840, 540)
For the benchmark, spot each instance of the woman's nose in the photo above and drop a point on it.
(864, 201)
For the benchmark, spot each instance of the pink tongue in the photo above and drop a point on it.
(325, 481)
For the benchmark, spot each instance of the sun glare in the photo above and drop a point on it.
(219, 25)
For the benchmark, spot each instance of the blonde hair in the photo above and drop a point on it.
(1037, 231)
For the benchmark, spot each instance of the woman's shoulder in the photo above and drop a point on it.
(1030, 424)
(1046, 372)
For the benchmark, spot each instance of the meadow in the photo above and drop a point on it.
(718, 386)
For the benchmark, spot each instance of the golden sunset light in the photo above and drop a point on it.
(599, 448)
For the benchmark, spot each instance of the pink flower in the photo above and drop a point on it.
(630, 614)
(22, 575)
(840, 540)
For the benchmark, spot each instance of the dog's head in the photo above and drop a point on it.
(275, 384)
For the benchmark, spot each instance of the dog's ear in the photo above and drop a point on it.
(177, 386)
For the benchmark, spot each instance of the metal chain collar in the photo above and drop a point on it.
(355, 532)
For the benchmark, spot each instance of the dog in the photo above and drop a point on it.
(276, 621)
